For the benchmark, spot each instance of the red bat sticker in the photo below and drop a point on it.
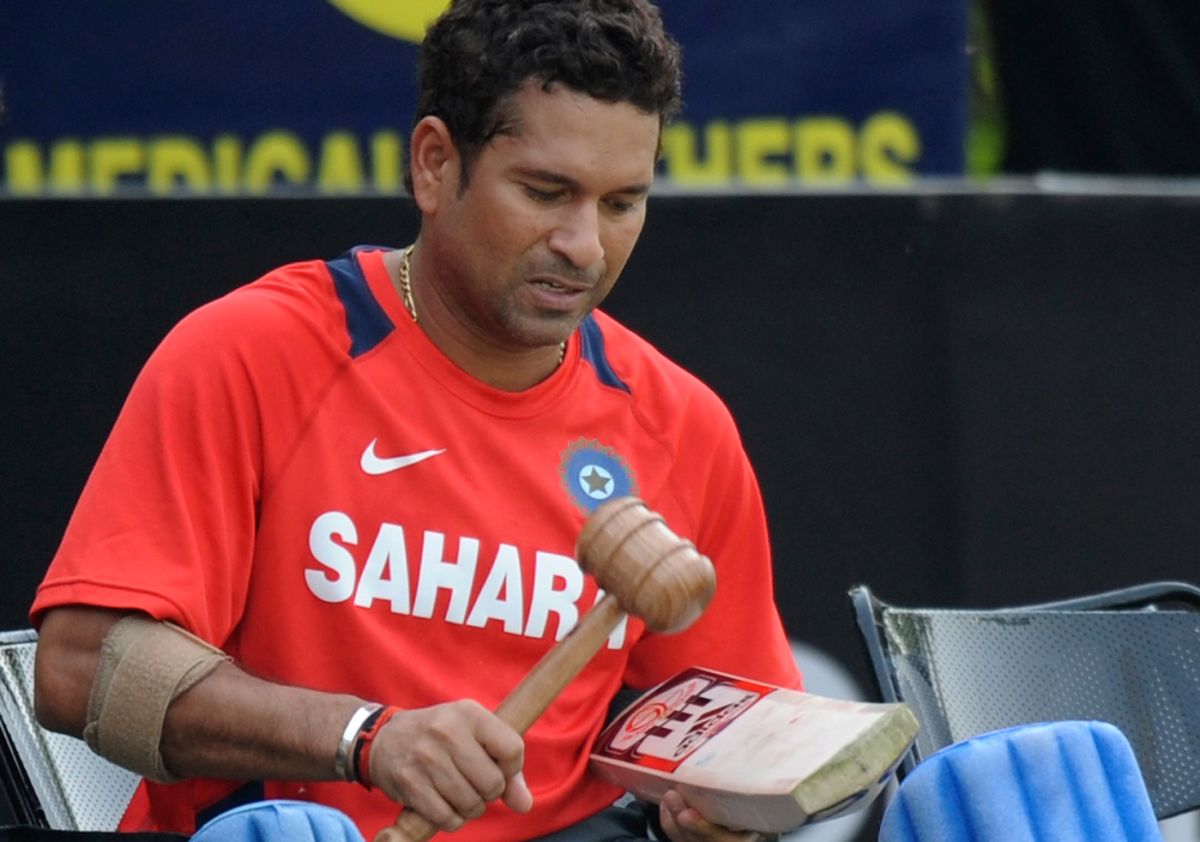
(681, 715)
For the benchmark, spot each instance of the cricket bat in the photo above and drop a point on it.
(753, 756)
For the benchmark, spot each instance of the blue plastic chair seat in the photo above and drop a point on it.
(1048, 782)
(280, 821)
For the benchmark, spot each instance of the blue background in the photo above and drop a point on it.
(202, 69)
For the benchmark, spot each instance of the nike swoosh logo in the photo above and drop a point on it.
(374, 465)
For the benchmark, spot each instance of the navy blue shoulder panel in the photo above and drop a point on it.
(593, 351)
(366, 322)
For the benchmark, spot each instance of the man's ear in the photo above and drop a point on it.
(435, 163)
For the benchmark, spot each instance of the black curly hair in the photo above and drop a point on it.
(480, 52)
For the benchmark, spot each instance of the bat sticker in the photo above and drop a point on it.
(663, 729)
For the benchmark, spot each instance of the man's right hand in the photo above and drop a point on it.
(447, 762)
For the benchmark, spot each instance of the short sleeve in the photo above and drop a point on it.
(166, 520)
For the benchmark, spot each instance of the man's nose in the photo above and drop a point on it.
(577, 236)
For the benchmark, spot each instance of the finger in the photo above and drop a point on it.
(517, 795)
(686, 824)
(666, 817)
(503, 744)
(458, 793)
(428, 802)
(469, 779)
(491, 757)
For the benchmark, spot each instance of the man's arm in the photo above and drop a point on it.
(445, 761)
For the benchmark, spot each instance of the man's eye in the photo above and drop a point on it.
(542, 195)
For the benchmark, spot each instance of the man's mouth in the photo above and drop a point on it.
(560, 285)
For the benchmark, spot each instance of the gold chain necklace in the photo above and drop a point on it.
(411, 306)
(405, 284)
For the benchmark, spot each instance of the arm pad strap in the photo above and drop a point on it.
(144, 666)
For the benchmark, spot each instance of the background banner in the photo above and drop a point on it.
(228, 97)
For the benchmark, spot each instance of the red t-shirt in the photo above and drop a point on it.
(300, 477)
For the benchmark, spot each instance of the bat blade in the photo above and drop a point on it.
(753, 756)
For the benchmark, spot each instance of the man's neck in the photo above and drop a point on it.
(503, 369)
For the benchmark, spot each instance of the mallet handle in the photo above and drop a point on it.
(527, 701)
(532, 696)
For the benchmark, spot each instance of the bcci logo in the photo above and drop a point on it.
(592, 474)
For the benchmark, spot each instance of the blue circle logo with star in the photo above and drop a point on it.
(593, 474)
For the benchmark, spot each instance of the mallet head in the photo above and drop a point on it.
(653, 573)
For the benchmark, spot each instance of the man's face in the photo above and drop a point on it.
(551, 211)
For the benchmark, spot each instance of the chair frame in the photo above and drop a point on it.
(869, 612)
(51, 781)
(18, 790)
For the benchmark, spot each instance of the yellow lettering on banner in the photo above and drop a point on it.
(760, 142)
(113, 158)
(68, 166)
(825, 150)
(174, 162)
(683, 163)
(227, 162)
(888, 142)
(23, 164)
(276, 155)
(340, 169)
(760, 151)
(387, 161)
(770, 151)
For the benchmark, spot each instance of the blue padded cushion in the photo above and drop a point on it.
(1049, 782)
(280, 821)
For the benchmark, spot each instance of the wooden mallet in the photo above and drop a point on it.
(646, 570)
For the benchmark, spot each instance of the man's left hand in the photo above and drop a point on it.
(685, 824)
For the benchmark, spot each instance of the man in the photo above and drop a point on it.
(362, 480)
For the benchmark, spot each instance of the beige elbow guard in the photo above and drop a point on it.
(144, 665)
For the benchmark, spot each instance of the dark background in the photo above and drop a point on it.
(1098, 86)
(960, 399)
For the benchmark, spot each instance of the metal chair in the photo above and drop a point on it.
(50, 780)
(1129, 657)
